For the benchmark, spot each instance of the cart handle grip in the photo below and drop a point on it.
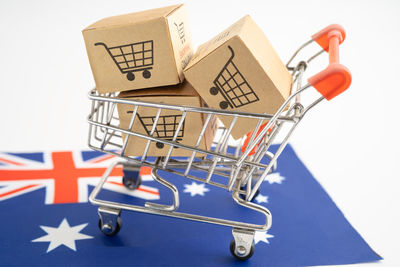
(336, 78)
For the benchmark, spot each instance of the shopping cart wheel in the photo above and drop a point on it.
(223, 104)
(130, 182)
(110, 220)
(108, 229)
(214, 90)
(131, 176)
(146, 74)
(130, 76)
(159, 145)
(241, 251)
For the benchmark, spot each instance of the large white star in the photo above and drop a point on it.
(261, 199)
(62, 235)
(274, 178)
(262, 236)
(195, 189)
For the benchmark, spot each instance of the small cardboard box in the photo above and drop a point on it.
(139, 50)
(239, 70)
(182, 94)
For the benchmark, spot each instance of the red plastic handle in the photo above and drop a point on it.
(248, 137)
(336, 78)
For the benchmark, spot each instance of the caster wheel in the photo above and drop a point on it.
(146, 74)
(130, 76)
(108, 229)
(159, 145)
(214, 90)
(223, 105)
(131, 183)
(239, 257)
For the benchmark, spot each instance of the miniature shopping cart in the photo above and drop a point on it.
(131, 58)
(233, 86)
(164, 128)
(181, 31)
(240, 170)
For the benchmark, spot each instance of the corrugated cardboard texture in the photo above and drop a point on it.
(260, 82)
(182, 94)
(139, 50)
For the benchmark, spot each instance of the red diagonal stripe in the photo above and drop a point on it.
(17, 190)
(147, 191)
(139, 188)
(102, 159)
(11, 162)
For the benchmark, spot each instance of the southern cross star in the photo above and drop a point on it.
(62, 235)
(274, 178)
(195, 189)
(262, 236)
(261, 199)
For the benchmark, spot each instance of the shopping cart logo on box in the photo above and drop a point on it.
(131, 58)
(181, 31)
(165, 127)
(233, 86)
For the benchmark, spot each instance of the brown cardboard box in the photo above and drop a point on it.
(239, 70)
(182, 94)
(139, 50)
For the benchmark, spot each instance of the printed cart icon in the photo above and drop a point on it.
(132, 57)
(165, 128)
(233, 86)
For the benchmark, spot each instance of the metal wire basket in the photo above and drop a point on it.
(239, 170)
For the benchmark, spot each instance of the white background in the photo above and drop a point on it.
(350, 144)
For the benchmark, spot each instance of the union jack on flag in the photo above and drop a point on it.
(65, 175)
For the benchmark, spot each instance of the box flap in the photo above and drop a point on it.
(217, 41)
(183, 89)
(133, 18)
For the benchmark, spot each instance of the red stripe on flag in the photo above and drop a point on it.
(11, 162)
(102, 159)
(139, 188)
(17, 190)
(116, 183)
(145, 171)
(148, 191)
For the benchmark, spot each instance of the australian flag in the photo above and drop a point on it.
(46, 219)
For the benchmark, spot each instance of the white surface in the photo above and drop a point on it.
(350, 144)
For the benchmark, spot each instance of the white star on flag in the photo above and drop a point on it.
(274, 178)
(261, 199)
(195, 189)
(262, 236)
(62, 235)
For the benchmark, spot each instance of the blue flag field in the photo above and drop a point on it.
(48, 221)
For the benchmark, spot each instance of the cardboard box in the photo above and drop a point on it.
(239, 70)
(182, 94)
(139, 50)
